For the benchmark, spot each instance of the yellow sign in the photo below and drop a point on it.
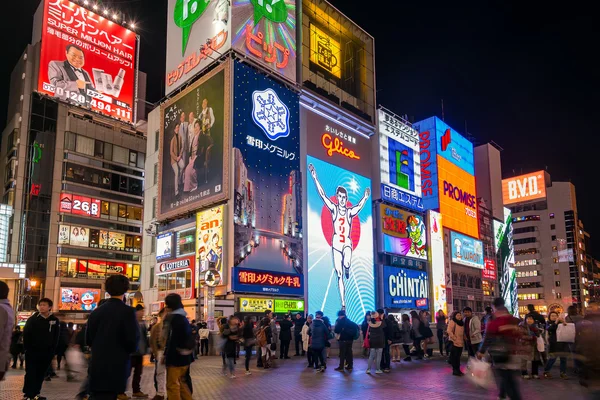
(255, 305)
(325, 51)
(209, 240)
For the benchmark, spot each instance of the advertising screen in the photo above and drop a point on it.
(458, 198)
(73, 235)
(257, 281)
(288, 306)
(325, 51)
(78, 299)
(255, 305)
(489, 270)
(402, 232)
(340, 240)
(466, 250)
(400, 162)
(209, 240)
(79, 205)
(498, 234)
(267, 213)
(87, 60)
(508, 276)
(198, 33)
(436, 259)
(524, 188)
(405, 288)
(265, 32)
(116, 241)
(194, 143)
(164, 246)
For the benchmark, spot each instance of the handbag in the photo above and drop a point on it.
(565, 333)
(273, 346)
(366, 343)
(540, 344)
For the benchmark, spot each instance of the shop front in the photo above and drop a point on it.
(177, 276)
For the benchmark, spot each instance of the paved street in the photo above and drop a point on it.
(417, 380)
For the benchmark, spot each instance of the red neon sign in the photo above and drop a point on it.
(489, 271)
(335, 145)
(265, 51)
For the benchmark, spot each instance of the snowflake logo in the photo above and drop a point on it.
(270, 114)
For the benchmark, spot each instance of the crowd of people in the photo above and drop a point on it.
(111, 347)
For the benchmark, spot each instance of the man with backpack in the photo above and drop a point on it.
(347, 332)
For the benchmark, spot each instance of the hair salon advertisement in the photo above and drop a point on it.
(87, 60)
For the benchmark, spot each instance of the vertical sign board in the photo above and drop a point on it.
(402, 232)
(340, 225)
(508, 279)
(400, 162)
(88, 60)
(267, 212)
(436, 259)
(209, 241)
(265, 32)
(198, 33)
(194, 146)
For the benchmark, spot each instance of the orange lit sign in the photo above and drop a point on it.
(271, 53)
(524, 188)
(335, 145)
(458, 198)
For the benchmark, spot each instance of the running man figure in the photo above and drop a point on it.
(341, 243)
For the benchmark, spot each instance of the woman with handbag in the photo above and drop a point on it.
(456, 334)
(363, 327)
(306, 339)
(375, 340)
(530, 348)
(427, 334)
(556, 349)
(442, 326)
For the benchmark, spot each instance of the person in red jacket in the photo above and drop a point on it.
(502, 336)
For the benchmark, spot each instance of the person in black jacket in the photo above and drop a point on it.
(16, 347)
(346, 330)
(385, 364)
(363, 327)
(40, 339)
(179, 348)
(113, 334)
(285, 336)
(298, 324)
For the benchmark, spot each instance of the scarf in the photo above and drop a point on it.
(458, 322)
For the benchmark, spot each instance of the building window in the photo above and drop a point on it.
(85, 145)
(70, 141)
(555, 260)
(454, 278)
(470, 281)
(153, 244)
(553, 237)
(463, 281)
(151, 277)
(155, 173)
(553, 226)
(557, 283)
(154, 206)
(156, 140)
(558, 295)
(556, 272)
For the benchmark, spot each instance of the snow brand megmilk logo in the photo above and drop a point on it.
(273, 10)
(270, 114)
(186, 13)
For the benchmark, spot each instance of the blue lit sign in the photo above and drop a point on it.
(401, 198)
(405, 288)
(466, 250)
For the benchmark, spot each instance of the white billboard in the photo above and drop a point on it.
(436, 254)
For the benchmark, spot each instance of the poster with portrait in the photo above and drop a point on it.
(194, 143)
(209, 240)
(80, 236)
(340, 241)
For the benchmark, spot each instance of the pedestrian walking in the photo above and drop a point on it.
(113, 335)
(221, 322)
(232, 335)
(16, 348)
(7, 321)
(396, 337)
(473, 337)
(179, 348)
(40, 339)
(274, 335)
(456, 334)
(376, 340)
(346, 332)
(501, 341)
(204, 334)
(196, 336)
(417, 336)
(407, 341)
(157, 344)
(555, 349)
(80, 344)
(530, 349)
(330, 335)
(299, 322)
(363, 328)
(249, 341)
(588, 331)
(385, 364)
(441, 324)
(427, 333)
(319, 335)
(306, 340)
(263, 338)
(486, 318)
(137, 358)
(574, 318)
(285, 336)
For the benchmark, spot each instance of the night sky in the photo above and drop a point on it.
(519, 74)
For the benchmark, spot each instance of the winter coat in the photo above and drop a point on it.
(395, 333)
(285, 333)
(475, 330)
(406, 327)
(553, 345)
(15, 346)
(178, 333)
(456, 334)
(416, 323)
(529, 349)
(377, 334)
(305, 336)
(113, 334)
(231, 335)
(157, 339)
(441, 322)
(363, 328)
(318, 334)
(7, 319)
(346, 329)
(298, 325)
(41, 335)
(274, 332)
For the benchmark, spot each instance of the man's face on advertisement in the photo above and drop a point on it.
(75, 57)
(191, 117)
(182, 117)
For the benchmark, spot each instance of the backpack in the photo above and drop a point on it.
(396, 333)
(356, 331)
(261, 337)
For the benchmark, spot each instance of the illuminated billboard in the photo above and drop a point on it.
(405, 288)
(74, 235)
(340, 240)
(402, 232)
(267, 215)
(198, 33)
(264, 31)
(255, 305)
(458, 198)
(325, 51)
(466, 250)
(164, 246)
(78, 299)
(209, 240)
(437, 261)
(79, 205)
(489, 270)
(265, 282)
(524, 188)
(87, 60)
(507, 273)
(400, 162)
(194, 146)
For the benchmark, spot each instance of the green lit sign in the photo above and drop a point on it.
(284, 306)
(37, 152)
(186, 14)
(273, 10)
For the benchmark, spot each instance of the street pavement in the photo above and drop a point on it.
(418, 380)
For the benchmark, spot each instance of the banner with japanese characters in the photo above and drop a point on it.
(267, 183)
(87, 60)
(265, 32)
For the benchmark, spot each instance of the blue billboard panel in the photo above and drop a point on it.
(267, 183)
(466, 250)
(340, 241)
(401, 198)
(265, 282)
(429, 167)
(405, 288)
